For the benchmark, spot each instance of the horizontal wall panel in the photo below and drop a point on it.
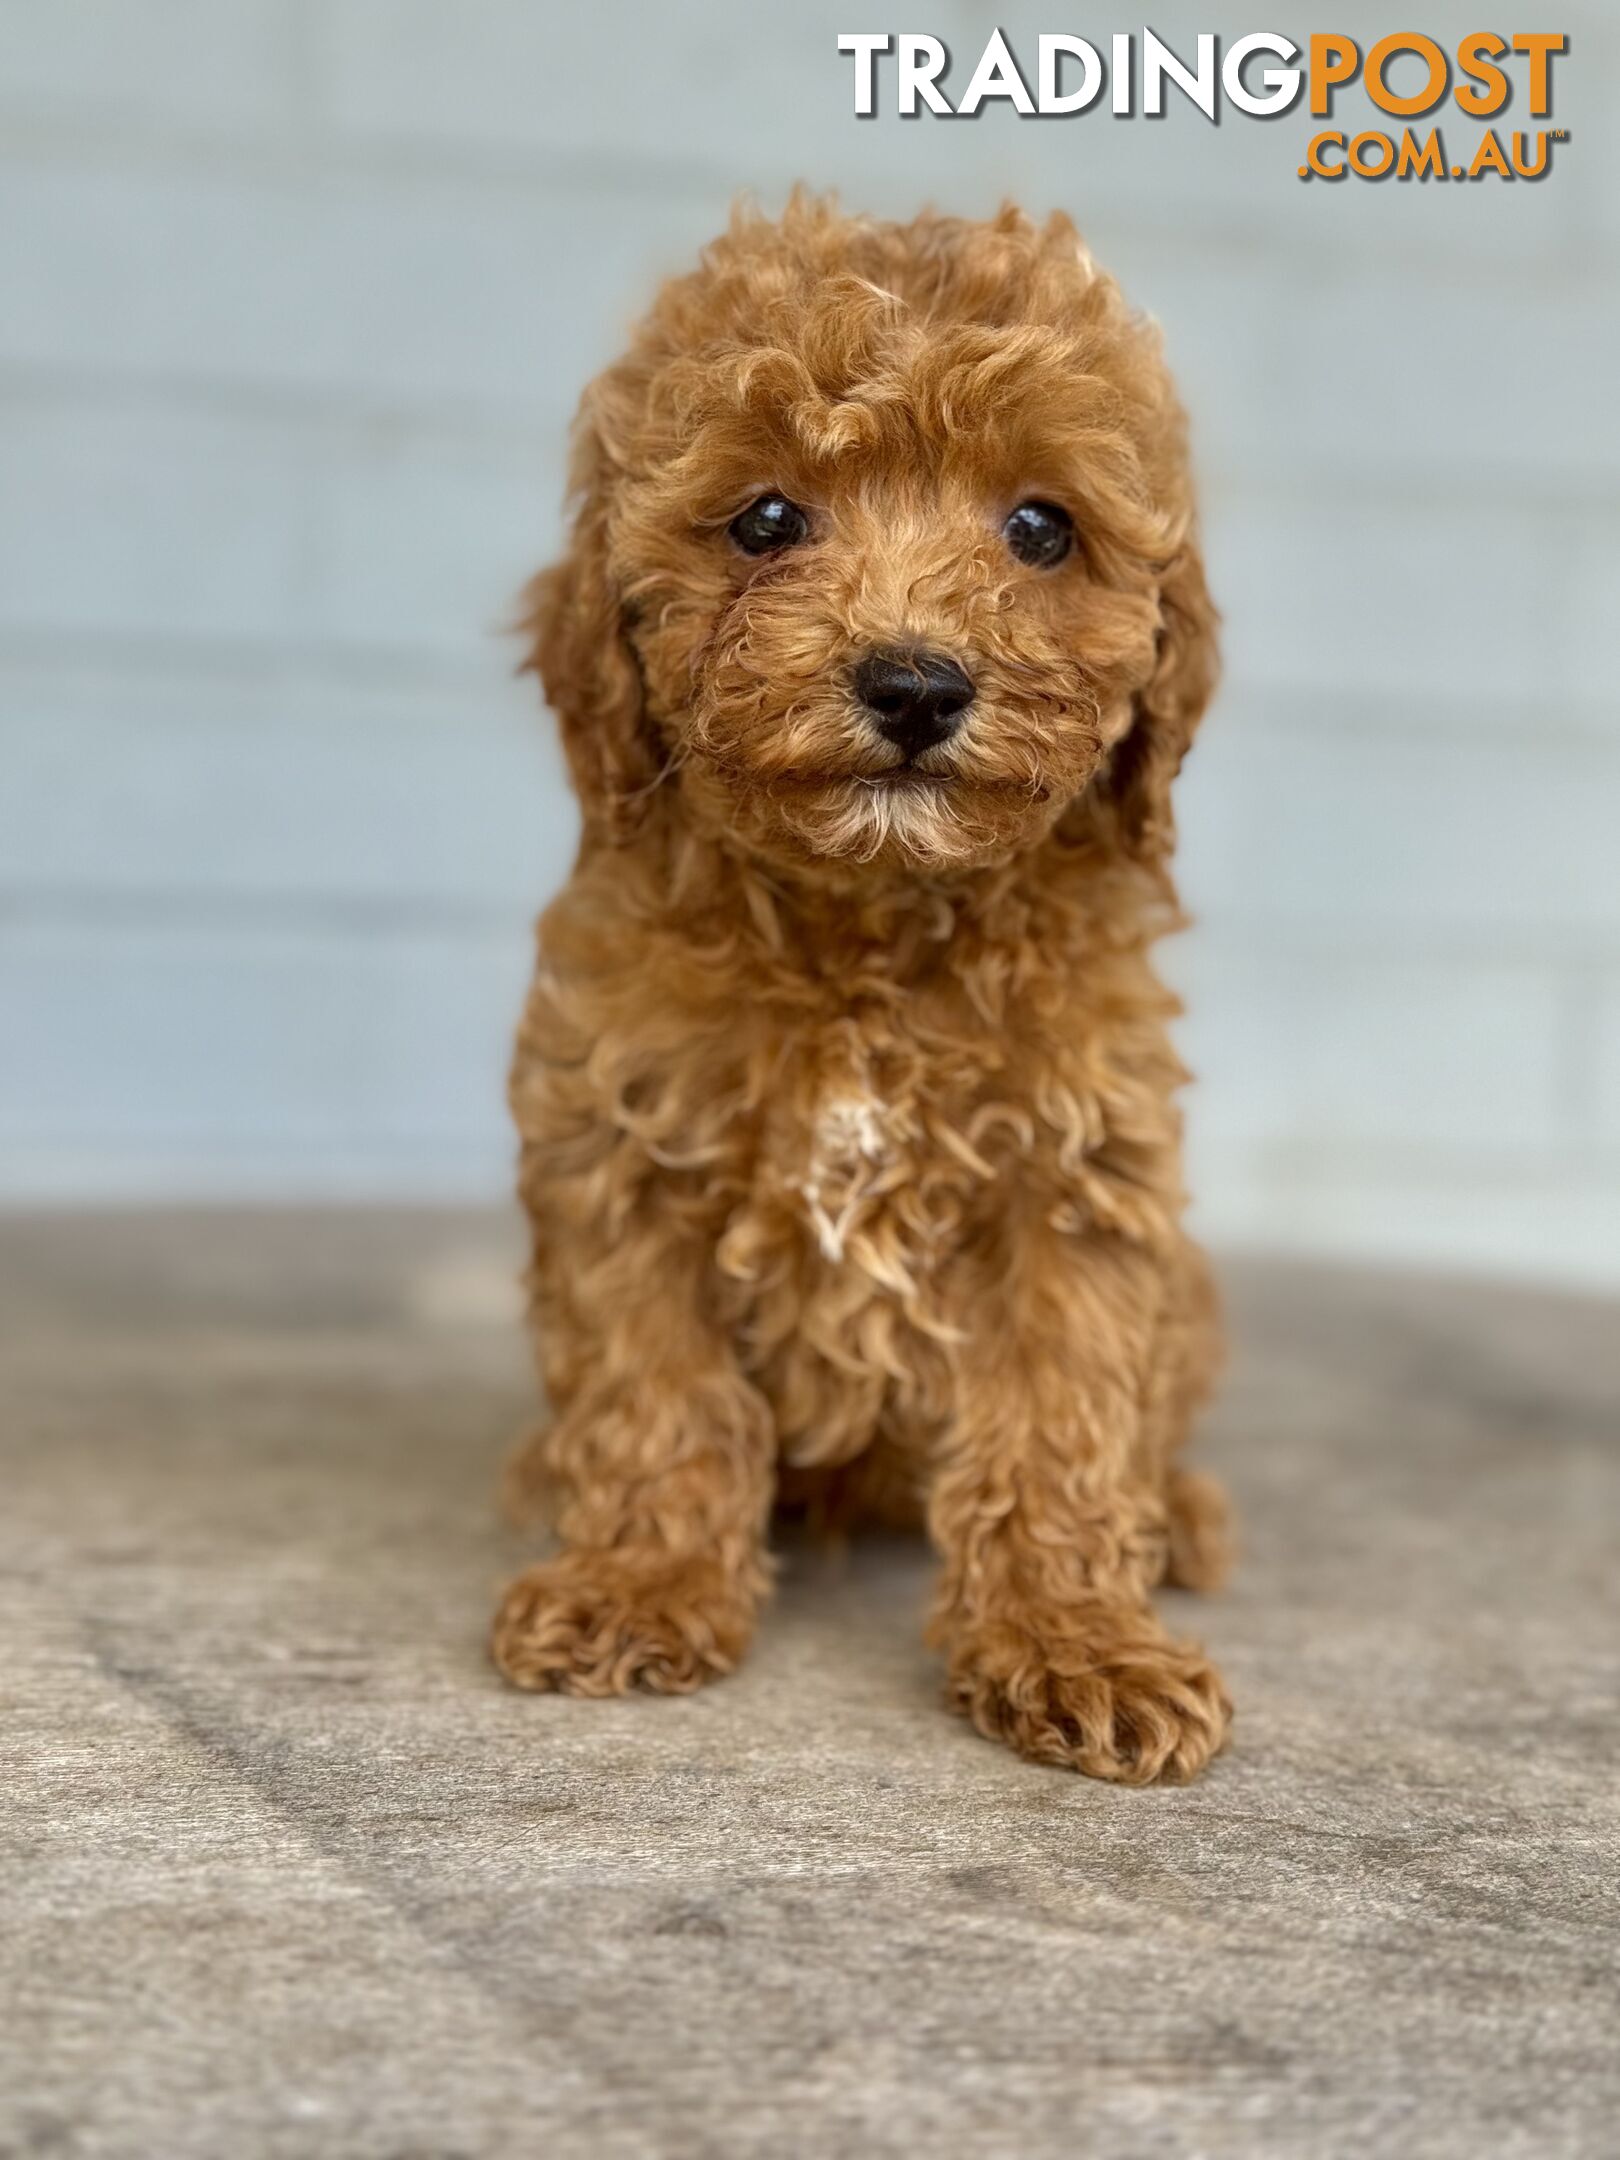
(270, 786)
(204, 1039)
(1432, 839)
(1299, 1047)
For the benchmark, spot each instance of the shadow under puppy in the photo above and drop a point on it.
(846, 1100)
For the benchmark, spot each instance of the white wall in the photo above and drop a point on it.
(295, 300)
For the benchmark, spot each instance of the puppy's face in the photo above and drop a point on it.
(891, 577)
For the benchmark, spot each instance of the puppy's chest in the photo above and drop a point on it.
(867, 1168)
(841, 1171)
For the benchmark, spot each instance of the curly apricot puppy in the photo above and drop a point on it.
(845, 1093)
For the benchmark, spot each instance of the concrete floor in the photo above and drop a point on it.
(286, 1872)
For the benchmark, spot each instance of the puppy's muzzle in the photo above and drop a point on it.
(915, 700)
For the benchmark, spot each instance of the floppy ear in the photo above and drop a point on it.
(578, 645)
(1168, 708)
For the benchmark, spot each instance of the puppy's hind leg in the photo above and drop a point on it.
(1200, 1544)
(1187, 1355)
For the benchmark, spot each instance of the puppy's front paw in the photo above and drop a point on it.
(1112, 1696)
(601, 1623)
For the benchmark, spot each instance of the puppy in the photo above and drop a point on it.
(846, 1101)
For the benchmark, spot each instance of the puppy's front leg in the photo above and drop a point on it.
(657, 1473)
(1051, 1529)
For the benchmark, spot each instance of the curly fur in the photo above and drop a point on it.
(847, 1108)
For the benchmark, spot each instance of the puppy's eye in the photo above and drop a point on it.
(1039, 534)
(771, 523)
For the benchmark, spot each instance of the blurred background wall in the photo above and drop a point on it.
(296, 297)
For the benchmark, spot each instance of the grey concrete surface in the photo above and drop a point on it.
(286, 1872)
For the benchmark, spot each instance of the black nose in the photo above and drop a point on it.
(917, 699)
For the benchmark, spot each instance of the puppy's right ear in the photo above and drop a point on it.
(573, 617)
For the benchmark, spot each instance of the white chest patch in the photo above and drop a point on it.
(849, 1147)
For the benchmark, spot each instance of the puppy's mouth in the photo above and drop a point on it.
(912, 778)
(887, 780)
(936, 776)
(917, 784)
(895, 777)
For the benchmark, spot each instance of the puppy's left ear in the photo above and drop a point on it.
(579, 646)
(1168, 708)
